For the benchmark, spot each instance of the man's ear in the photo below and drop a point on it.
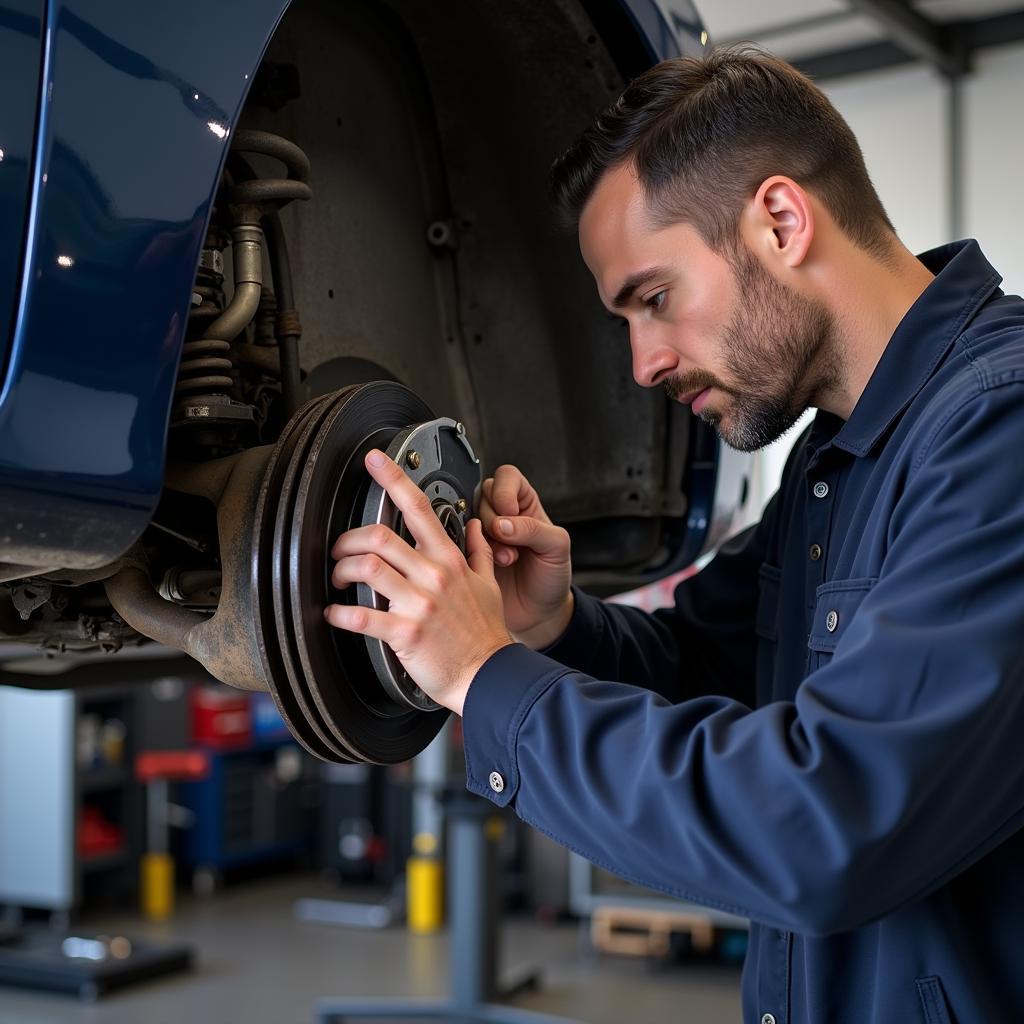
(778, 221)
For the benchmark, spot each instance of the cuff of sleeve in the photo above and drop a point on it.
(577, 644)
(498, 700)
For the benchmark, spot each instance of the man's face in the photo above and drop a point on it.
(722, 334)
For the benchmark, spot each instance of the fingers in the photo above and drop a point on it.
(506, 495)
(372, 570)
(381, 541)
(478, 551)
(397, 633)
(512, 495)
(485, 506)
(526, 532)
(504, 556)
(414, 505)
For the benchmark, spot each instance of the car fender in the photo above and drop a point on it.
(138, 101)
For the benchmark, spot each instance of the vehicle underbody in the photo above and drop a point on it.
(381, 253)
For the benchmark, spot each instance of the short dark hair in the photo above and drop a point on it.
(705, 132)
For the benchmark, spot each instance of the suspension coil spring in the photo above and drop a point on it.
(207, 377)
(206, 366)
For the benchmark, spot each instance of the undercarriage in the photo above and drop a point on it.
(380, 269)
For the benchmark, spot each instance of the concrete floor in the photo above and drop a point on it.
(257, 965)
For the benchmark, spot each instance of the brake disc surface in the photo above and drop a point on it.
(292, 708)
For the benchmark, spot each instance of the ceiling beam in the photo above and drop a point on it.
(782, 28)
(917, 35)
(854, 60)
(995, 31)
(971, 36)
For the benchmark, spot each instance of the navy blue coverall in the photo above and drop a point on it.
(826, 733)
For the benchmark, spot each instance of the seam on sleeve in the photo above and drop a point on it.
(968, 338)
(696, 897)
(529, 699)
(669, 890)
(964, 862)
(970, 308)
(466, 754)
(602, 615)
(1003, 380)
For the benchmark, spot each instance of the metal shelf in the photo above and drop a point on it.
(109, 777)
(101, 861)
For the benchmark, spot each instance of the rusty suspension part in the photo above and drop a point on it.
(224, 643)
(279, 509)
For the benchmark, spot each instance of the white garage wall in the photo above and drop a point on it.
(898, 117)
(993, 110)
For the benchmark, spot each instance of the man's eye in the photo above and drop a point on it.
(657, 300)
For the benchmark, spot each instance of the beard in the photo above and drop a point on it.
(778, 350)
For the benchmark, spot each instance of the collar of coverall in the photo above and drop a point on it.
(964, 281)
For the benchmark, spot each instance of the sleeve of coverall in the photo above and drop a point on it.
(864, 793)
(711, 620)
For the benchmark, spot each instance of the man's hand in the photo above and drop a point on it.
(444, 617)
(534, 569)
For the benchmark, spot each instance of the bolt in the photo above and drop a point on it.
(413, 459)
(440, 234)
(461, 505)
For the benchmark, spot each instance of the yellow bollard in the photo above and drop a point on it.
(158, 769)
(424, 879)
(157, 885)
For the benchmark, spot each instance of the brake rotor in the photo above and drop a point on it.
(327, 682)
(294, 707)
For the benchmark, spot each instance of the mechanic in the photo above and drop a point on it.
(825, 733)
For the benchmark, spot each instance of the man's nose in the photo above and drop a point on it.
(653, 360)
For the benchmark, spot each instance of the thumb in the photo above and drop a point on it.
(526, 531)
(478, 551)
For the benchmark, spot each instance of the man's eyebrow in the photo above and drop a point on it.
(634, 281)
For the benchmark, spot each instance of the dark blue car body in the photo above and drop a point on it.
(114, 131)
(106, 187)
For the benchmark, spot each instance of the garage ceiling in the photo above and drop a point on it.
(833, 37)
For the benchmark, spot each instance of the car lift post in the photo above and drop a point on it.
(429, 770)
(472, 877)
